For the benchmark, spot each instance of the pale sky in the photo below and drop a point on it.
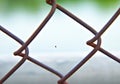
(60, 31)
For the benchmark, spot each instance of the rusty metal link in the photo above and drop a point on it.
(96, 47)
(21, 61)
(89, 55)
(39, 28)
(98, 35)
(63, 78)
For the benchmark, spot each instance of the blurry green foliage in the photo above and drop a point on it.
(11, 5)
(34, 5)
(106, 4)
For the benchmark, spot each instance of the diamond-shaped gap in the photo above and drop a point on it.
(85, 41)
(69, 39)
(8, 61)
(110, 39)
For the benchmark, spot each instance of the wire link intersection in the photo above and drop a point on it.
(63, 78)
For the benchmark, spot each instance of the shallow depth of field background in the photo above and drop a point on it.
(62, 42)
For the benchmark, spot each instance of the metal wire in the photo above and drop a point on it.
(63, 78)
(21, 61)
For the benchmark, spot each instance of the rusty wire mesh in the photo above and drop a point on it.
(24, 45)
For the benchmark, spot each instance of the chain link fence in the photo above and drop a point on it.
(94, 42)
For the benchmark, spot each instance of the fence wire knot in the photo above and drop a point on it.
(63, 78)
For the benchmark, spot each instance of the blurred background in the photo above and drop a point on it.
(62, 42)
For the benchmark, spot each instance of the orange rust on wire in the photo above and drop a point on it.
(63, 78)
